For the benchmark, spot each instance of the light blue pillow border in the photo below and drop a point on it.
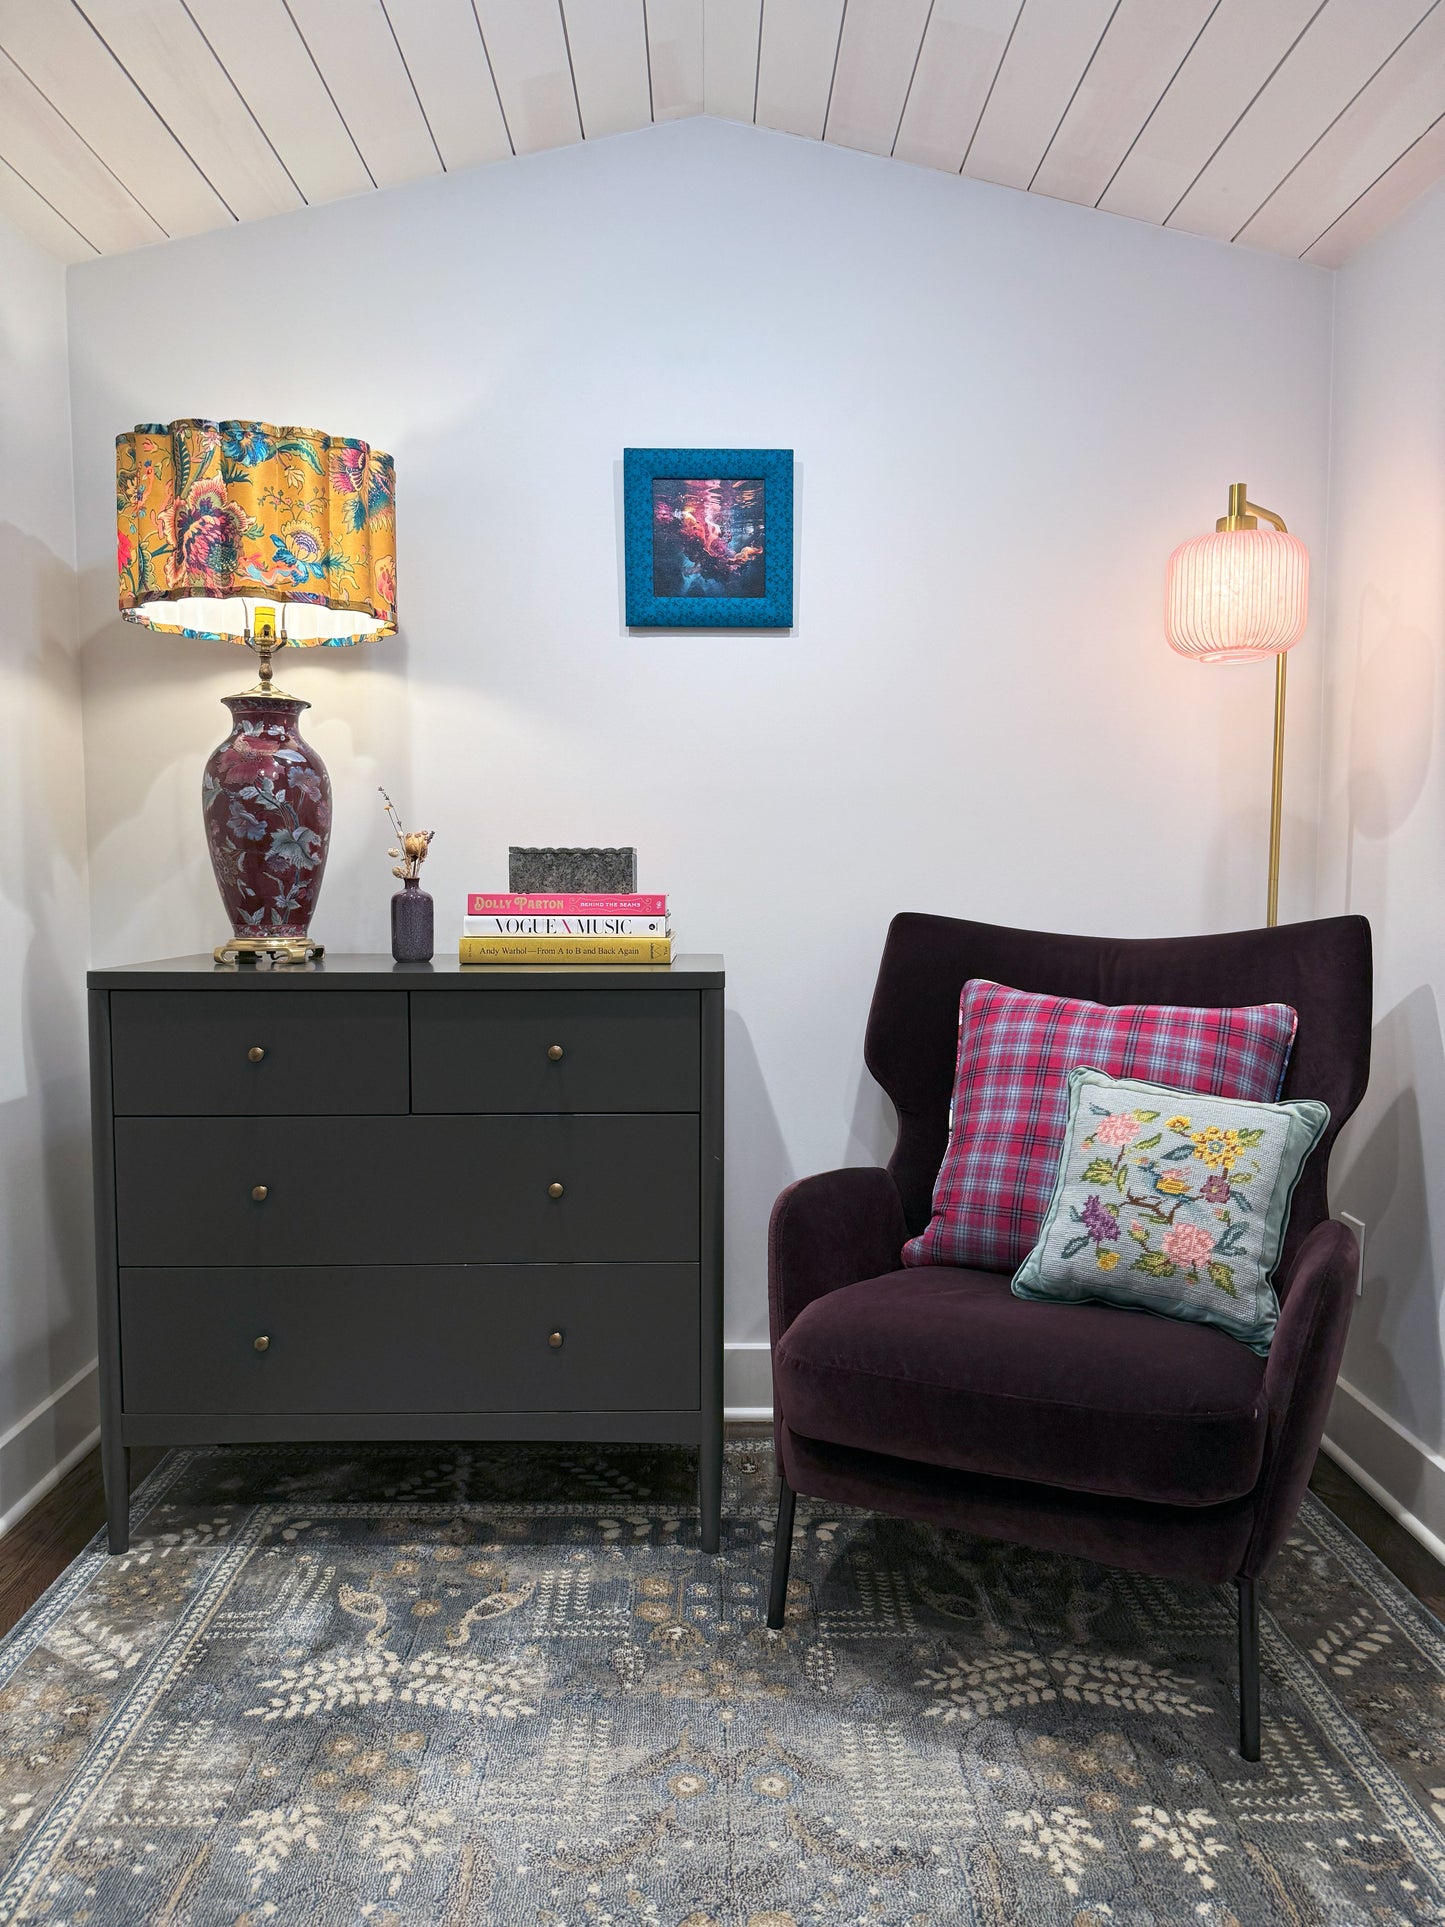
(1308, 1121)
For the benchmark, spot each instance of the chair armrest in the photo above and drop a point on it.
(831, 1230)
(1299, 1380)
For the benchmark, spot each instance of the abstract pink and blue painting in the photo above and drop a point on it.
(708, 537)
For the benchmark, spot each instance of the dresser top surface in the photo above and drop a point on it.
(339, 972)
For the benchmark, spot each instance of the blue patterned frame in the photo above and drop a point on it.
(640, 466)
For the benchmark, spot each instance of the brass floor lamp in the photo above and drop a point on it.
(1235, 596)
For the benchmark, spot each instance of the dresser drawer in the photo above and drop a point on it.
(546, 1050)
(445, 1339)
(420, 1190)
(192, 1052)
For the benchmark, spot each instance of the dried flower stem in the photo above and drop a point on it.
(412, 844)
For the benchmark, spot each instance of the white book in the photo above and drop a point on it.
(526, 926)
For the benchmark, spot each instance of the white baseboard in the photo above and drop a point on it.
(1400, 1472)
(747, 1381)
(40, 1448)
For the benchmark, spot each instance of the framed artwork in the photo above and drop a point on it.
(709, 537)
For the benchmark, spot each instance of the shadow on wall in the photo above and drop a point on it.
(758, 1168)
(45, 1212)
(760, 1164)
(1394, 1351)
(1392, 715)
(873, 1128)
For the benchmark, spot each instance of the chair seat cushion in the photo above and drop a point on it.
(947, 1367)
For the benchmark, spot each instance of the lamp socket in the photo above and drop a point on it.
(1357, 1225)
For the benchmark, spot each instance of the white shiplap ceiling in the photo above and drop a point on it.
(1299, 126)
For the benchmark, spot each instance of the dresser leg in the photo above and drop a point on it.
(115, 1470)
(709, 1486)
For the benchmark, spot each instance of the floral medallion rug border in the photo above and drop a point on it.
(376, 1686)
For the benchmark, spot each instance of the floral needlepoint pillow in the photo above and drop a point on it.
(1172, 1202)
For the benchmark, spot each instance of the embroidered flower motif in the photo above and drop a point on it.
(1106, 1260)
(1179, 1122)
(1119, 1129)
(1215, 1189)
(1172, 1182)
(1188, 1245)
(1098, 1220)
(1215, 1147)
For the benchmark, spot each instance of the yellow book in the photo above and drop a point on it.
(565, 950)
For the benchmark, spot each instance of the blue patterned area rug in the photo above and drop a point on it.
(455, 1685)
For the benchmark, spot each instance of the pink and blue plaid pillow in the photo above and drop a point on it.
(1011, 1099)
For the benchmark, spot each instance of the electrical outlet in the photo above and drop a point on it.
(1357, 1225)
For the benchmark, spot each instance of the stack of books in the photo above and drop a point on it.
(501, 929)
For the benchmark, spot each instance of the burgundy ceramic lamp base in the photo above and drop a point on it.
(266, 799)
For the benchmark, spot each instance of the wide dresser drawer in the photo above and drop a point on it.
(406, 1190)
(525, 1338)
(547, 1050)
(247, 1052)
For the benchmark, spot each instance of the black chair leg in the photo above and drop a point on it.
(782, 1554)
(1248, 1668)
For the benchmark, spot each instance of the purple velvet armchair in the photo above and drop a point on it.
(934, 1393)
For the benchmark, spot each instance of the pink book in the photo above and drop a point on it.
(539, 904)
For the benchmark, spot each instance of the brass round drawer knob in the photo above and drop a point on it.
(554, 1051)
(554, 1339)
(554, 1190)
(258, 1193)
(255, 1053)
(262, 1344)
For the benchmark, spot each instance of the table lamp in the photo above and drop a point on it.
(219, 525)
(1235, 596)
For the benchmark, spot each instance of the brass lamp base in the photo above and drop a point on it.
(276, 950)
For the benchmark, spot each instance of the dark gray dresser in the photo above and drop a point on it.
(366, 1200)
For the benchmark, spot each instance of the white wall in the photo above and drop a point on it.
(1005, 411)
(47, 1321)
(1382, 842)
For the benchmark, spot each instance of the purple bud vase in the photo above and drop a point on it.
(411, 923)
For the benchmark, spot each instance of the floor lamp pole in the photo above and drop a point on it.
(1276, 798)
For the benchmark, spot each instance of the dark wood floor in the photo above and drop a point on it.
(41, 1546)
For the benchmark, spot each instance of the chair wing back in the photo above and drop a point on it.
(1322, 968)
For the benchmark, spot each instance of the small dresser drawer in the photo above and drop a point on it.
(548, 1050)
(526, 1338)
(247, 1052)
(420, 1190)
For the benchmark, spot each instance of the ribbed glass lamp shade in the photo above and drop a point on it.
(1236, 594)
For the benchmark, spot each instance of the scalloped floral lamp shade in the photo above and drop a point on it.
(217, 525)
(209, 513)
(1237, 594)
